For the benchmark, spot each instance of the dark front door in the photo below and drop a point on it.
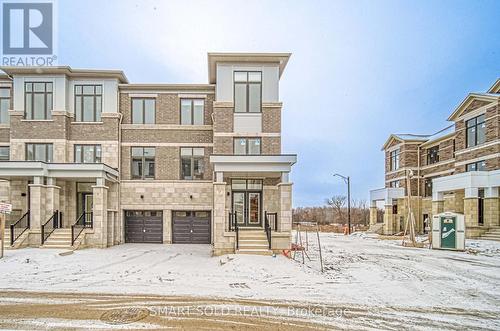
(191, 227)
(247, 207)
(143, 226)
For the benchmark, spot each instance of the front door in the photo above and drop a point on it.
(247, 207)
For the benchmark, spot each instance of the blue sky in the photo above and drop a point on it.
(360, 70)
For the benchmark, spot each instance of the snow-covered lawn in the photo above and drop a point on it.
(359, 271)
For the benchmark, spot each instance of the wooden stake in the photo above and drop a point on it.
(2, 232)
(319, 244)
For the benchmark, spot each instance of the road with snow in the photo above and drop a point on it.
(367, 283)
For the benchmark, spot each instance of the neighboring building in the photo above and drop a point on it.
(93, 161)
(456, 169)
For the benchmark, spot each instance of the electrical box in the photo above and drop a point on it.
(448, 231)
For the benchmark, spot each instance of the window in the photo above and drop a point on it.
(39, 152)
(246, 184)
(428, 187)
(88, 103)
(394, 156)
(143, 162)
(4, 153)
(246, 146)
(143, 110)
(247, 91)
(476, 131)
(192, 163)
(433, 155)
(38, 100)
(4, 105)
(87, 153)
(394, 184)
(476, 166)
(192, 111)
(454, 147)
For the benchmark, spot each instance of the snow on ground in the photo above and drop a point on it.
(359, 270)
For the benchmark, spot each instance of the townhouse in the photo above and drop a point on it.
(456, 169)
(91, 160)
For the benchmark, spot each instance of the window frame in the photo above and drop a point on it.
(82, 153)
(476, 127)
(47, 145)
(427, 187)
(433, 155)
(191, 158)
(247, 83)
(143, 100)
(9, 100)
(8, 153)
(47, 112)
(247, 145)
(476, 165)
(142, 159)
(82, 95)
(393, 155)
(192, 100)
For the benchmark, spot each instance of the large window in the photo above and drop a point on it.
(39, 152)
(394, 184)
(192, 163)
(38, 100)
(433, 155)
(394, 160)
(4, 153)
(87, 153)
(4, 105)
(428, 187)
(246, 146)
(143, 110)
(192, 111)
(143, 162)
(246, 184)
(88, 103)
(476, 166)
(476, 131)
(247, 91)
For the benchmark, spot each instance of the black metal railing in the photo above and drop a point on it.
(18, 228)
(53, 223)
(233, 226)
(85, 220)
(270, 224)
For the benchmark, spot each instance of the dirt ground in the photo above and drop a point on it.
(77, 311)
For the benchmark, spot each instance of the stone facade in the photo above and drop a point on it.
(454, 155)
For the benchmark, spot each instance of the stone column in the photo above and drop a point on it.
(52, 198)
(100, 214)
(373, 215)
(285, 207)
(221, 244)
(388, 220)
(491, 207)
(37, 210)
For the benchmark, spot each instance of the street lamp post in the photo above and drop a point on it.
(347, 180)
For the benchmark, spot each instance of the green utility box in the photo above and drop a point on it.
(448, 231)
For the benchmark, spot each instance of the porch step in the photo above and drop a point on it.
(59, 238)
(254, 251)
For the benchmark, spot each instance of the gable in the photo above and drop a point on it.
(472, 102)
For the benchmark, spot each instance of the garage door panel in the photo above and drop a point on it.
(191, 227)
(143, 227)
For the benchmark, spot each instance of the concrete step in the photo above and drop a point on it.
(254, 247)
(254, 241)
(492, 238)
(254, 251)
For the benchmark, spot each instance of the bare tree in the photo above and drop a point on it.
(337, 202)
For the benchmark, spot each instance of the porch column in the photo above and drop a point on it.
(100, 213)
(373, 213)
(52, 201)
(388, 219)
(221, 244)
(285, 207)
(491, 207)
(37, 204)
(471, 207)
(437, 203)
